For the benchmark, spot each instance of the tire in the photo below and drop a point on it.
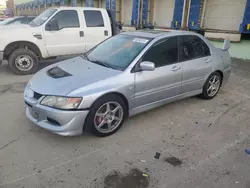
(91, 122)
(20, 56)
(207, 92)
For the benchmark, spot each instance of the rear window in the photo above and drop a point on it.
(93, 18)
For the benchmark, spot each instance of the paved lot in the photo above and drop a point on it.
(208, 137)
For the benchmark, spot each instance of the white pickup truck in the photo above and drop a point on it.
(56, 32)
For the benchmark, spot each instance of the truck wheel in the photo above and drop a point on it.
(23, 61)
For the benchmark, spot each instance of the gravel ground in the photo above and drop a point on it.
(190, 143)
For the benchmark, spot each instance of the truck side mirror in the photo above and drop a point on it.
(52, 25)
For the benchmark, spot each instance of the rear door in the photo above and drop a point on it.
(68, 39)
(196, 59)
(97, 27)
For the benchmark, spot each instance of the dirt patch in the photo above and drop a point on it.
(134, 179)
(13, 88)
(173, 161)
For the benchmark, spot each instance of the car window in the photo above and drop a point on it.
(118, 51)
(67, 19)
(39, 20)
(192, 47)
(163, 53)
(93, 18)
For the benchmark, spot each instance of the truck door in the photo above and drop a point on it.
(97, 27)
(68, 38)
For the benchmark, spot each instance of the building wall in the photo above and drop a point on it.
(126, 11)
(224, 14)
(163, 12)
(218, 14)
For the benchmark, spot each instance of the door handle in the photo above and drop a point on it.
(207, 61)
(81, 33)
(175, 68)
(106, 33)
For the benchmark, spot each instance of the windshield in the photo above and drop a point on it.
(6, 21)
(118, 51)
(39, 20)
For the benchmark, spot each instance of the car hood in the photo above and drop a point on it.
(15, 26)
(64, 77)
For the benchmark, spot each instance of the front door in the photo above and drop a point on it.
(96, 29)
(165, 81)
(68, 39)
(196, 59)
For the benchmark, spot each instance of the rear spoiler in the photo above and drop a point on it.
(226, 45)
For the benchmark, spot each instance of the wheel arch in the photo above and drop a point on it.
(21, 44)
(221, 74)
(125, 100)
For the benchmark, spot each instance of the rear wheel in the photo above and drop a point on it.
(23, 61)
(106, 115)
(212, 86)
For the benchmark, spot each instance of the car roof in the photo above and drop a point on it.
(78, 8)
(24, 17)
(150, 33)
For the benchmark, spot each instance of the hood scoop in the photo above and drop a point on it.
(57, 72)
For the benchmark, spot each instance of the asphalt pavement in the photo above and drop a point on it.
(192, 143)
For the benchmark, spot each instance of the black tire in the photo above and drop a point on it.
(27, 53)
(205, 94)
(89, 123)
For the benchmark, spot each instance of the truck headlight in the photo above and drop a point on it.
(65, 103)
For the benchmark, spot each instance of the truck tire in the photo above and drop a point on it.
(23, 61)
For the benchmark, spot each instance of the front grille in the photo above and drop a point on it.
(37, 96)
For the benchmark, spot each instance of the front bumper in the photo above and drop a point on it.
(61, 122)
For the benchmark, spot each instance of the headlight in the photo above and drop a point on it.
(65, 103)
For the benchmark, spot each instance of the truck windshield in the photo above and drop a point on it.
(118, 51)
(39, 20)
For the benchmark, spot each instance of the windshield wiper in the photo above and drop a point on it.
(103, 63)
(85, 57)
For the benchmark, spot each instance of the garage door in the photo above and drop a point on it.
(102, 4)
(163, 12)
(81, 3)
(126, 11)
(224, 14)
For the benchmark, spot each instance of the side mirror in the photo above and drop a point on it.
(147, 66)
(226, 45)
(52, 25)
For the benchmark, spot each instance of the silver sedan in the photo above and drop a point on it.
(127, 74)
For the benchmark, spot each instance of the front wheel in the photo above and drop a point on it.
(23, 61)
(212, 86)
(106, 115)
